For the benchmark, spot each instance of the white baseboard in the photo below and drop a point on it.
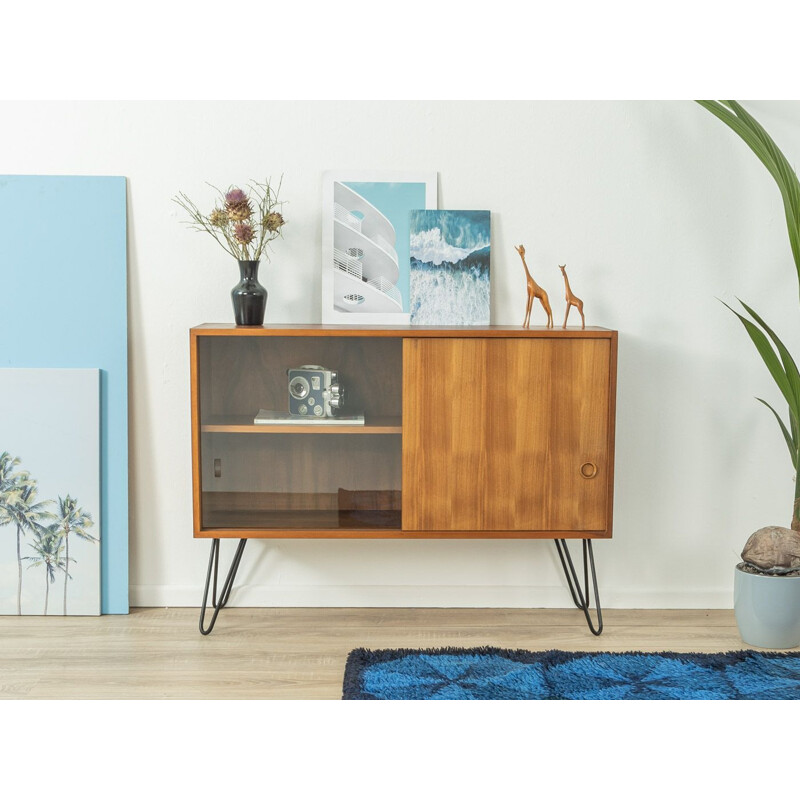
(258, 596)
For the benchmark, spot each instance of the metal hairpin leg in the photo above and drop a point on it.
(581, 599)
(213, 566)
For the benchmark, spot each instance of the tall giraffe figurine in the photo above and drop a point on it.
(534, 291)
(571, 299)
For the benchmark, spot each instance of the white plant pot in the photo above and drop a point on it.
(767, 609)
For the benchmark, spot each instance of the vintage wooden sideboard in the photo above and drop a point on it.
(479, 432)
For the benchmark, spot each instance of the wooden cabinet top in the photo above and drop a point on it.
(403, 331)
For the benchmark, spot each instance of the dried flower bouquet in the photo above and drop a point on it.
(242, 224)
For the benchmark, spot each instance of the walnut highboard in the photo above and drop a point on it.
(479, 432)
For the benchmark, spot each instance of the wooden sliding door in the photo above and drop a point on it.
(506, 434)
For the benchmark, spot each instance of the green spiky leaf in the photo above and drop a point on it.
(771, 361)
(789, 365)
(770, 155)
(791, 442)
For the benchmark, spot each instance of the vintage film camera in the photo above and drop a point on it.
(314, 392)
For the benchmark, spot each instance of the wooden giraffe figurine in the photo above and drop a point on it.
(534, 291)
(571, 299)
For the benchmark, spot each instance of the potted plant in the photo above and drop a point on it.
(244, 224)
(767, 582)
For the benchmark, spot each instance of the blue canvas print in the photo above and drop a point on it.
(450, 265)
(63, 304)
(50, 531)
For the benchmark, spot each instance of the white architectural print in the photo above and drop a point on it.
(365, 262)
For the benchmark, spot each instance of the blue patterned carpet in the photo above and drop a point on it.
(488, 673)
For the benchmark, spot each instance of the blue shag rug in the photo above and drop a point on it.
(487, 673)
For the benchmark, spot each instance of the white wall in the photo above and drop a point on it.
(656, 207)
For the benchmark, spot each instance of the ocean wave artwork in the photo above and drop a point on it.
(450, 267)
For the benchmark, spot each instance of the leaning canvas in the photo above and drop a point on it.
(450, 267)
(63, 304)
(50, 491)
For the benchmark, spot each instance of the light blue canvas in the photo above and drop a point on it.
(50, 531)
(63, 303)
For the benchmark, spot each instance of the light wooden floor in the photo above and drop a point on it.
(299, 653)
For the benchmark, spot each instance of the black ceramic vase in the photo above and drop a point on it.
(249, 296)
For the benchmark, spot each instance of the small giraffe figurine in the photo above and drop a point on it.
(571, 299)
(534, 291)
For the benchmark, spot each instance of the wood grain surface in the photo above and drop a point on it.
(243, 424)
(397, 331)
(506, 435)
(300, 653)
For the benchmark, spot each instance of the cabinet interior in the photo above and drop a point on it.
(307, 477)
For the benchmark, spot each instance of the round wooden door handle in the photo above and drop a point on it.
(588, 470)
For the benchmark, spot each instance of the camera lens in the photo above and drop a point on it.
(298, 388)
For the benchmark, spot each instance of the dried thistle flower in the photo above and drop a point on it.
(243, 233)
(218, 218)
(237, 204)
(256, 221)
(274, 221)
(235, 196)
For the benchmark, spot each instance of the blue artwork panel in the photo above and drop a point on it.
(450, 267)
(63, 304)
(50, 531)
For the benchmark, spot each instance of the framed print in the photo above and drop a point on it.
(366, 262)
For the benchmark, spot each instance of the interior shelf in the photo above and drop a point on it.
(300, 520)
(349, 510)
(242, 424)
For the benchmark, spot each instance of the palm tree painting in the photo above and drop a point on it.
(49, 491)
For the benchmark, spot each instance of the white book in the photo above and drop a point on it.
(265, 417)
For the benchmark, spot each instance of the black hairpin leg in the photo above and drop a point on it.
(213, 566)
(581, 599)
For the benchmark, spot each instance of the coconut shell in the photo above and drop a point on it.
(773, 549)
